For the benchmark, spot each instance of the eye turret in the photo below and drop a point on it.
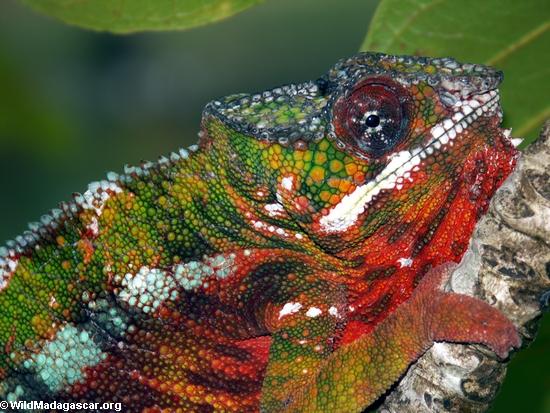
(373, 117)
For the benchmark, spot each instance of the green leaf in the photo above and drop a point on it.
(125, 16)
(508, 34)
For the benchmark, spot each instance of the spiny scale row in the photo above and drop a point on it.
(96, 193)
(448, 74)
(444, 65)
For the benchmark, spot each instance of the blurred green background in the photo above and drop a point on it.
(75, 104)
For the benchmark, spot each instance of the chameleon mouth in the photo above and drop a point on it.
(401, 164)
(466, 111)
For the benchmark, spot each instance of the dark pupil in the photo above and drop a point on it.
(372, 121)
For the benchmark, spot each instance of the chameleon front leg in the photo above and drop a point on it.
(306, 328)
(355, 375)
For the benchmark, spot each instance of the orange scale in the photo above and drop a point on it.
(333, 182)
(165, 387)
(320, 158)
(359, 177)
(345, 186)
(351, 169)
(325, 196)
(334, 199)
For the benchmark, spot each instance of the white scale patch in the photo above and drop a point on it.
(313, 312)
(270, 228)
(515, 141)
(287, 182)
(94, 227)
(289, 308)
(275, 209)
(97, 194)
(8, 265)
(344, 215)
(405, 262)
(147, 289)
(150, 287)
(193, 274)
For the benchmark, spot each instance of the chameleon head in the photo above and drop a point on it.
(381, 150)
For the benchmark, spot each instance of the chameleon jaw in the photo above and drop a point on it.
(466, 112)
(402, 164)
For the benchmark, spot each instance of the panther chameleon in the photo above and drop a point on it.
(292, 261)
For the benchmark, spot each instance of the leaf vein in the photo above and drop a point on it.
(521, 42)
(409, 21)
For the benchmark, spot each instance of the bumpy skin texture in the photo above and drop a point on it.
(291, 262)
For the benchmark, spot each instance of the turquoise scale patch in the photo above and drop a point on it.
(194, 274)
(61, 360)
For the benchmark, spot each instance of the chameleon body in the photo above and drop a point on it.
(292, 261)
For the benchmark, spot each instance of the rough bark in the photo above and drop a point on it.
(507, 265)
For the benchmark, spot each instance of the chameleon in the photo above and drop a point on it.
(293, 261)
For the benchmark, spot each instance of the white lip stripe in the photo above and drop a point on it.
(345, 213)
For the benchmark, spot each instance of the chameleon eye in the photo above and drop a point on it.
(373, 117)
